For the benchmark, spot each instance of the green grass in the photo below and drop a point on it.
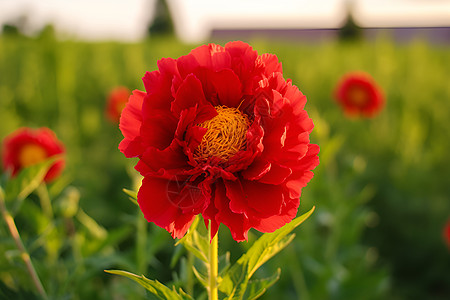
(381, 191)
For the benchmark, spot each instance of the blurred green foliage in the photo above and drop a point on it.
(381, 191)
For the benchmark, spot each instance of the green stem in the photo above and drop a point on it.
(213, 266)
(23, 252)
(141, 243)
(44, 199)
(190, 274)
(297, 274)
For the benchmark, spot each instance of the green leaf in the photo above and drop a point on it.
(201, 276)
(153, 286)
(234, 282)
(224, 263)
(270, 244)
(132, 194)
(18, 188)
(257, 287)
(196, 243)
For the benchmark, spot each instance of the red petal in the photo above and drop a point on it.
(170, 158)
(158, 84)
(254, 198)
(237, 223)
(157, 208)
(273, 223)
(189, 94)
(192, 116)
(276, 175)
(270, 63)
(130, 125)
(256, 170)
(189, 193)
(302, 173)
(158, 129)
(228, 87)
(212, 57)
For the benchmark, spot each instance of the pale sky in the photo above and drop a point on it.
(128, 20)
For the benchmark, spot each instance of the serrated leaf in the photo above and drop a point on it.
(27, 180)
(235, 282)
(256, 288)
(153, 286)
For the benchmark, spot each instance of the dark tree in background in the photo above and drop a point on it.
(15, 26)
(162, 23)
(350, 30)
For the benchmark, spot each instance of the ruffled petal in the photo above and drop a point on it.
(269, 64)
(189, 193)
(228, 88)
(253, 198)
(159, 84)
(190, 94)
(156, 206)
(276, 175)
(130, 125)
(257, 169)
(237, 223)
(158, 129)
(211, 56)
(270, 224)
(302, 174)
(170, 158)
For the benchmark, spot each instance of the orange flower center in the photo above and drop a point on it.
(358, 96)
(226, 135)
(31, 154)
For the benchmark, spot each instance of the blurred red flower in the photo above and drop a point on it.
(219, 132)
(26, 147)
(359, 94)
(116, 101)
(446, 233)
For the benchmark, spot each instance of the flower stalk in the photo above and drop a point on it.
(45, 201)
(20, 246)
(213, 266)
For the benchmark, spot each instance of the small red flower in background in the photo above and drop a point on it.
(116, 101)
(446, 233)
(359, 94)
(219, 132)
(26, 147)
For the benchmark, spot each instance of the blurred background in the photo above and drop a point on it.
(381, 191)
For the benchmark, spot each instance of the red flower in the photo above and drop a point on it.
(219, 132)
(26, 147)
(359, 94)
(117, 99)
(446, 233)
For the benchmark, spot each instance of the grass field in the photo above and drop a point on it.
(381, 191)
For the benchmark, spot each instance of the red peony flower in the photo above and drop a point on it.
(219, 132)
(117, 99)
(446, 233)
(359, 94)
(26, 147)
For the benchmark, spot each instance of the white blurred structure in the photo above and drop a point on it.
(194, 20)
(125, 20)
(402, 13)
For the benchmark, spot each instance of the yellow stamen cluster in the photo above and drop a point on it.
(226, 135)
(31, 154)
